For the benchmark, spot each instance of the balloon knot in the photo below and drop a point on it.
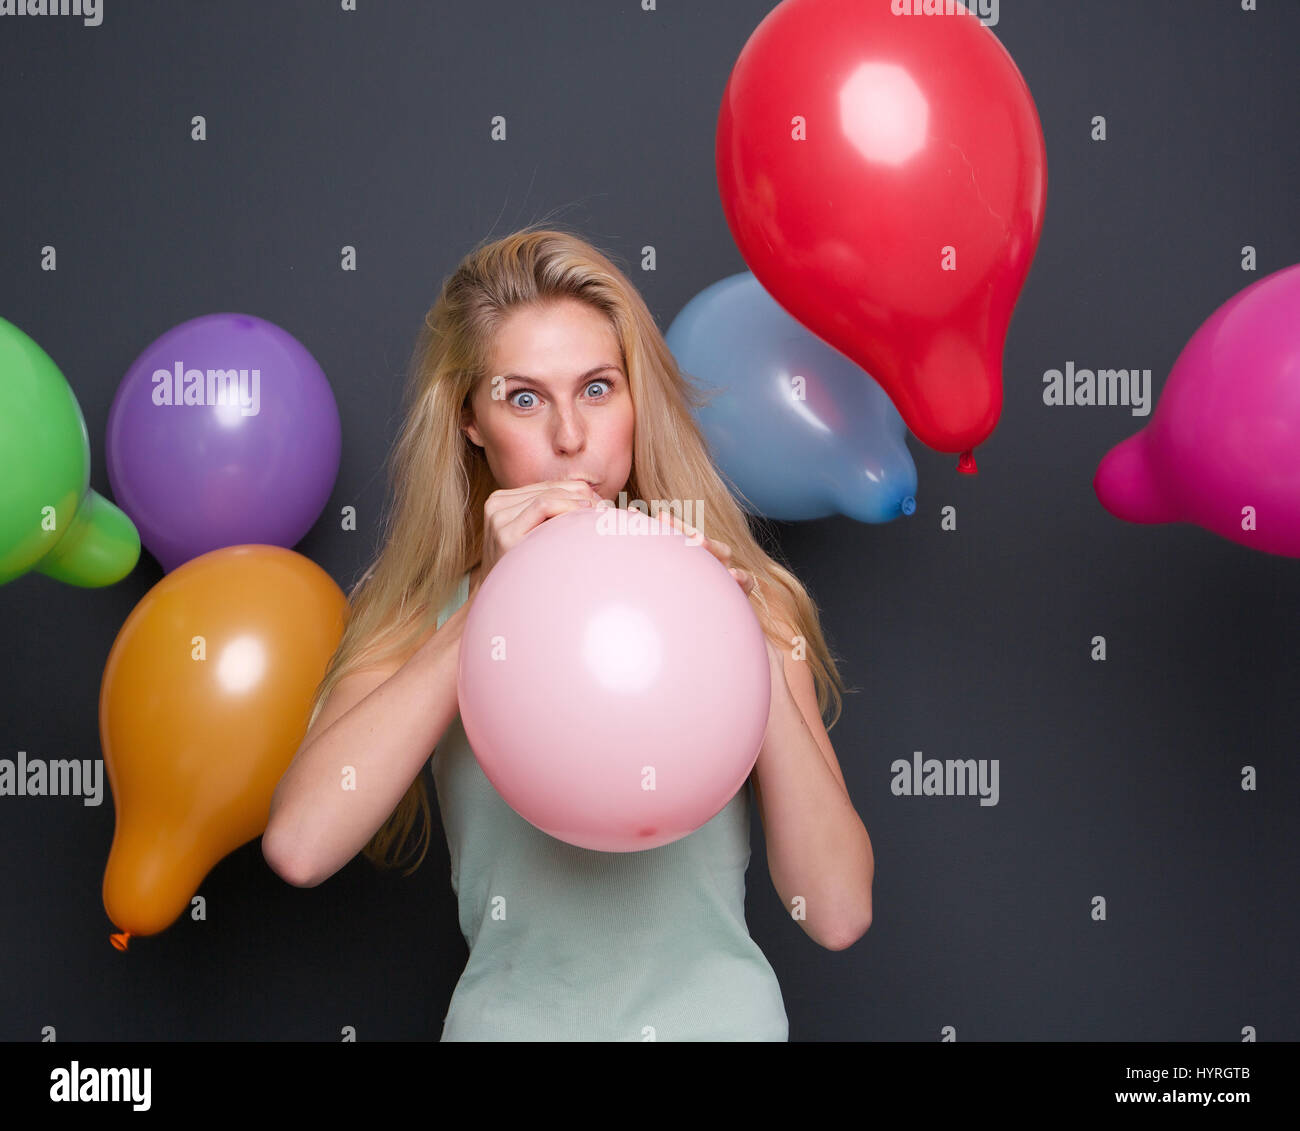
(119, 940)
(966, 463)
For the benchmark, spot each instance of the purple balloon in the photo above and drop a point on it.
(224, 432)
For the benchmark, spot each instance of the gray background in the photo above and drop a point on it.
(1119, 778)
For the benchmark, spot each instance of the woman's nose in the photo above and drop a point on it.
(570, 434)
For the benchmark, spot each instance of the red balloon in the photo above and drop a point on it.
(884, 175)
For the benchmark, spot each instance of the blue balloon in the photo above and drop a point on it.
(800, 431)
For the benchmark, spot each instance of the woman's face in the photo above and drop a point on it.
(555, 403)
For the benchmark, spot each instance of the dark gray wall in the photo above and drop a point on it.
(1117, 778)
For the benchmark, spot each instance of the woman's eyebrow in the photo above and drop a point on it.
(584, 377)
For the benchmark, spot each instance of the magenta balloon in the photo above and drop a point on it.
(614, 685)
(1220, 450)
(242, 447)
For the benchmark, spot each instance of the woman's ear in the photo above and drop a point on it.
(468, 426)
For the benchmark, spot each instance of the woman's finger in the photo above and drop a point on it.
(719, 550)
(744, 578)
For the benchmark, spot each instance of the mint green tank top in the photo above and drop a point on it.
(571, 944)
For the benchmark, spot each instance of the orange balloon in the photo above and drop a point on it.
(203, 705)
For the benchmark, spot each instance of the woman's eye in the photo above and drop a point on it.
(529, 393)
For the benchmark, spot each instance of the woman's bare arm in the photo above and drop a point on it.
(372, 737)
(378, 727)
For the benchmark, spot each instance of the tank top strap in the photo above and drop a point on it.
(458, 598)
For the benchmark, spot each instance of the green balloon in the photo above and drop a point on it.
(50, 518)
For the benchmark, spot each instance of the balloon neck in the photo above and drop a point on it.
(966, 463)
(120, 939)
(100, 546)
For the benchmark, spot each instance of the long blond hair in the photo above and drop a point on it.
(433, 532)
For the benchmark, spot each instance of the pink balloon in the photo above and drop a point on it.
(1221, 447)
(613, 681)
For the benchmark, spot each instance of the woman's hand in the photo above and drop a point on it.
(748, 583)
(510, 514)
(719, 550)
